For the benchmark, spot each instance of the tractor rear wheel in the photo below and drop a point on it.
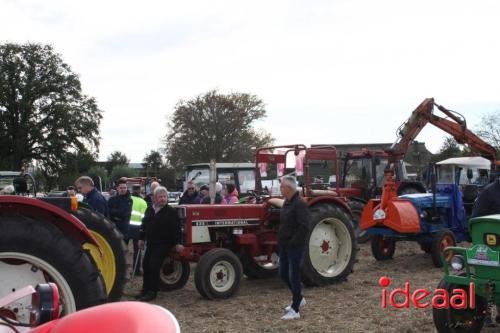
(441, 240)
(357, 207)
(218, 274)
(331, 250)
(36, 251)
(383, 248)
(174, 273)
(112, 263)
(451, 320)
(257, 270)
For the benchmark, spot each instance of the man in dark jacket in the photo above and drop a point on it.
(190, 194)
(120, 207)
(488, 203)
(94, 198)
(161, 229)
(292, 239)
(149, 196)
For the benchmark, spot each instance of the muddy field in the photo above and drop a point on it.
(352, 306)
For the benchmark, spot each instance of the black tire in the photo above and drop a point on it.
(459, 321)
(229, 266)
(107, 232)
(333, 216)
(253, 270)
(383, 248)
(440, 240)
(46, 247)
(357, 207)
(174, 274)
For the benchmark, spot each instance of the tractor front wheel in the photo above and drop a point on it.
(383, 248)
(441, 240)
(357, 207)
(331, 250)
(36, 251)
(451, 320)
(174, 273)
(218, 274)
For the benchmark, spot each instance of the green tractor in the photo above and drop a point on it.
(474, 270)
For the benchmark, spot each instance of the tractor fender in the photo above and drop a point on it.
(334, 200)
(12, 204)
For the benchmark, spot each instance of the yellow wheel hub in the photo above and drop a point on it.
(105, 262)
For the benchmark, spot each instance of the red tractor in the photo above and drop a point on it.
(228, 241)
(56, 240)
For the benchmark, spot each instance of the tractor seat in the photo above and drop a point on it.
(470, 193)
(318, 193)
(276, 202)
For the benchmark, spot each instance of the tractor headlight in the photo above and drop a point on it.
(379, 214)
(457, 262)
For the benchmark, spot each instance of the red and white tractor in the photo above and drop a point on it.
(228, 241)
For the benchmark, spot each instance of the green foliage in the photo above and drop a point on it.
(116, 158)
(489, 130)
(100, 176)
(215, 126)
(152, 163)
(122, 171)
(43, 112)
(450, 148)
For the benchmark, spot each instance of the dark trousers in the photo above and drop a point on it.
(290, 260)
(151, 265)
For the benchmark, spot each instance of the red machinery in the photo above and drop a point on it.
(229, 240)
(434, 220)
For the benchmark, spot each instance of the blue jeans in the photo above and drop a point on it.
(290, 261)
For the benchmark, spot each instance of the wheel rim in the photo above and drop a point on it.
(330, 247)
(222, 276)
(104, 258)
(446, 241)
(171, 271)
(270, 265)
(31, 270)
(384, 246)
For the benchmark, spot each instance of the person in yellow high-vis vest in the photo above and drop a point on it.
(139, 207)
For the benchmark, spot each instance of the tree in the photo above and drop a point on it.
(215, 126)
(152, 162)
(490, 129)
(99, 175)
(116, 158)
(449, 148)
(43, 113)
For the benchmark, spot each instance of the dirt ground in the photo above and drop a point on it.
(352, 306)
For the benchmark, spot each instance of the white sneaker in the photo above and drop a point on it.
(289, 306)
(291, 315)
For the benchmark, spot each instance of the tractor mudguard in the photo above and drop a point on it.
(335, 200)
(12, 204)
(400, 216)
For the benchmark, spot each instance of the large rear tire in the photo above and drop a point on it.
(331, 250)
(112, 264)
(174, 274)
(218, 274)
(36, 251)
(453, 320)
(357, 207)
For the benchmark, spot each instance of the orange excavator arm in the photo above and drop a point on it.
(454, 124)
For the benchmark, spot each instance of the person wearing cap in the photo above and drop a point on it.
(139, 207)
(202, 193)
(190, 194)
(218, 195)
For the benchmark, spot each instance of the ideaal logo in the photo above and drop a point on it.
(422, 298)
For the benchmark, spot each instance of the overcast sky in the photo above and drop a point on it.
(329, 71)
